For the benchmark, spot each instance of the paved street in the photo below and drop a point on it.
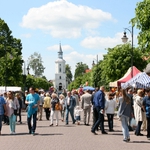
(68, 137)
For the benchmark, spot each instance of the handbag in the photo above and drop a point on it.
(133, 122)
(15, 112)
(58, 106)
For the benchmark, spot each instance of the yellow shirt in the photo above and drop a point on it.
(47, 101)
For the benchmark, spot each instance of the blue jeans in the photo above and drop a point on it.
(71, 110)
(125, 129)
(12, 122)
(32, 128)
(1, 118)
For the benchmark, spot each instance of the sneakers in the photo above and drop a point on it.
(126, 140)
(12, 133)
(33, 133)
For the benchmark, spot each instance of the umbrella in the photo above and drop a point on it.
(88, 88)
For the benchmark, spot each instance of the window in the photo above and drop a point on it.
(59, 77)
(59, 69)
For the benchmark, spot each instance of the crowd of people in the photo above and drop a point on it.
(131, 105)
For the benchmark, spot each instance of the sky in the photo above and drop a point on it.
(85, 28)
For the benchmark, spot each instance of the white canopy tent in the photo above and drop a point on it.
(9, 88)
(141, 80)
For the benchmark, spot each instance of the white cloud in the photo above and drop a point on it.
(64, 19)
(28, 35)
(102, 42)
(74, 57)
(56, 48)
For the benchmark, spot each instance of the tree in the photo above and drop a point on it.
(10, 57)
(118, 60)
(96, 75)
(80, 69)
(37, 82)
(68, 73)
(142, 22)
(35, 63)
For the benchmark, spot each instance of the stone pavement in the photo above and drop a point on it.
(68, 137)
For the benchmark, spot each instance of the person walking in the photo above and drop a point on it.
(12, 105)
(62, 103)
(2, 109)
(99, 104)
(125, 111)
(40, 110)
(70, 103)
(46, 105)
(146, 106)
(18, 97)
(139, 112)
(54, 109)
(86, 106)
(32, 100)
(110, 107)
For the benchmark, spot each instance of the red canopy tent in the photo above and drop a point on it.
(125, 78)
(129, 76)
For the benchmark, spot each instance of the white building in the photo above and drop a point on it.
(60, 73)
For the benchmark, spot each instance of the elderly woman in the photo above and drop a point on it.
(62, 103)
(46, 105)
(138, 111)
(54, 108)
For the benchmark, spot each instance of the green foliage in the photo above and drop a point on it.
(37, 82)
(81, 80)
(68, 73)
(10, 57)
(142, 22)
(35, 63)
(80, 69)
(96, 80)
(118, 60)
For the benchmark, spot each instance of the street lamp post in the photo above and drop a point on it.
(28, 69)
(96, 68)
(124, 40)
(5, 68)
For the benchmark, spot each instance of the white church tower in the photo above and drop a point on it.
(60, 73)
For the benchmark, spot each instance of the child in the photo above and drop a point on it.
(110, 107)
(77, 114)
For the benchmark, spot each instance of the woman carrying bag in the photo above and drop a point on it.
(12, 105)
(55, 108)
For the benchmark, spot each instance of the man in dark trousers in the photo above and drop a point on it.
(99, 104)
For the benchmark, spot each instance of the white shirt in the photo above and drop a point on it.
(110, 106)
